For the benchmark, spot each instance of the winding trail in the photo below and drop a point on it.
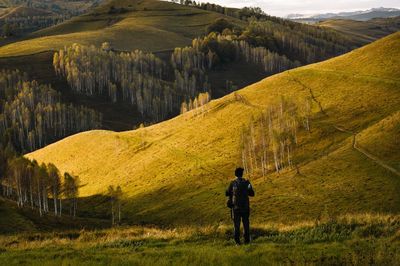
(355, 145)
(354, 134)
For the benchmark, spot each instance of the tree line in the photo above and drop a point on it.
(301, 42)
(217, 49)
(198, 102)
(269, 142)
(242, 13)
(136, 77)
(32, 185)
(18, 25)
(43, 188)
(190, 67)
(32, 115)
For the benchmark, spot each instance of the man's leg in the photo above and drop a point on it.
(236, 222)
(246, 225)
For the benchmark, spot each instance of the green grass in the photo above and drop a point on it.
(356, 240)
(146, 25)
(179, 175)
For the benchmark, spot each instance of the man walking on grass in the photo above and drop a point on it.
(238, 192)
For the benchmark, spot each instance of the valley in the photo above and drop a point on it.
(122, 122)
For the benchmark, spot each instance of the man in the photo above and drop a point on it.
(238, 192)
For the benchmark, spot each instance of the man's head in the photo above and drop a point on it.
(239, 172)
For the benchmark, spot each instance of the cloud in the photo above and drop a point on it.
(284, 7)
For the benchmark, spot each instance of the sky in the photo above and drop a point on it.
(284, 7)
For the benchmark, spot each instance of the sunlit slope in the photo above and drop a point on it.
(176, 171)
(148, 25)
(374, 140)
(364, 31)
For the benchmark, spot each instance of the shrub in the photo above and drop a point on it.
(219, 26)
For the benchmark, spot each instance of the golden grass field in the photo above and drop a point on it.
(175, 172)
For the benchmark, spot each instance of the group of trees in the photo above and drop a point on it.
(300, 42)
(31, 184)
(32, 115)
(135, 77)
(43, 188)
(269, 142)
(243, 13)
(18, 25)
(190, 67)
(216, 49)
(138, 78)
(199, 101)
(271, 61)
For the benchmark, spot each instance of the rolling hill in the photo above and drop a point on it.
(175, 172)
(364, 31)
(127, 25)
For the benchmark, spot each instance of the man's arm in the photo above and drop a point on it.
(228, 191)
(250, 190)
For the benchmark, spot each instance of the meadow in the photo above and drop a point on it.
(367, 239)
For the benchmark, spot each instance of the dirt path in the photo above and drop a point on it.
(355, 145)
(354, 134)
(366, 153)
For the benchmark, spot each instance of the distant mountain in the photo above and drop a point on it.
(380, 12)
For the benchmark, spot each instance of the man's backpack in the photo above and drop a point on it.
(240, 197)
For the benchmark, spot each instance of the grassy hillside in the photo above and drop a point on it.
(127, 25)
(364, 31)
(176, 171)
